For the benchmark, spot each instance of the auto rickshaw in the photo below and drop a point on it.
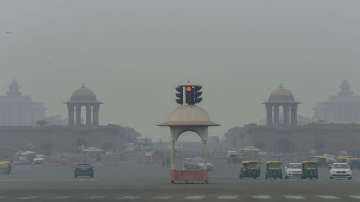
(250, 169)
(309, 170)
(5, 167)
(274, 170)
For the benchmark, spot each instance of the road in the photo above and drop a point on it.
(131, 181)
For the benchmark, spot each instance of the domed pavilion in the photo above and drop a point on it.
(83, 98)
(281, 99)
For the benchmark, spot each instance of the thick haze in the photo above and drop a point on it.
(133, 53)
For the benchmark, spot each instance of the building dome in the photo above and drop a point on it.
(189, 115)
(281, 95)
(83, 94)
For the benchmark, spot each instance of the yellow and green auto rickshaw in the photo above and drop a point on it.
(250, 169)
(309, 170)
(5, 167)
(274, 170)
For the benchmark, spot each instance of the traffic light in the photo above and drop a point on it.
(179, 95)
(189, 94)
(197, 94)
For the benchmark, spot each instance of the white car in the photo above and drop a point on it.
(39, 159)
(340, 171)
(197, 164)
(293, 170)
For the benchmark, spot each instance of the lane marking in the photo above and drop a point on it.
(195, 197)
(61, 197)
(128, 197)
(294, 197)
(27, 197)
(228, 197)
(95, 197)
(264, 197)
(328, 197)
(161, 197)
(355, 196)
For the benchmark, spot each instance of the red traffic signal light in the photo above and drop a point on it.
(189, 88)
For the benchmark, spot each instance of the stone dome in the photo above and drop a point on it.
(83, 94)
(189, 115)
(281, 95)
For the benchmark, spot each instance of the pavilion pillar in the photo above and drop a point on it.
(286, 114)
(276, 115)
(294, 114)
(173, 151)
(96, 109)
(88, 115)
(78, 114)
(269, 114)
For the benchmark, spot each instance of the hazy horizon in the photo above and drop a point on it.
(133, 53)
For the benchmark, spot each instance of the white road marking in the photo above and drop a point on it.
(128, 197)
(328, 197)
(61, 197)
(295, 197)
(95, 197)
(355, 196)
(228, 197)
(195, 197)
(27, 197)
(261, 197)
(161, 197)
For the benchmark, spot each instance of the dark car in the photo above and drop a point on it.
(84, 170)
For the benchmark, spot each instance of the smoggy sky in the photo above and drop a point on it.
(132, 54)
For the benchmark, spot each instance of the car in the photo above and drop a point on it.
(293, 170)
(232, 157)
(197, 163)
(39, 159)
(84, 170)
(340, 171)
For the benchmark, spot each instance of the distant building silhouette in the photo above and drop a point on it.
(51, 135)
(341, 108)
(19, 110)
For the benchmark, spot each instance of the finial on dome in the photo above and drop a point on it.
(345, 89)
(14, 88)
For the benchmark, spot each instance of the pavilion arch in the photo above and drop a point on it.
(199, 131)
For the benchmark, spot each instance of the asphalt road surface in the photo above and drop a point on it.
(131, 181)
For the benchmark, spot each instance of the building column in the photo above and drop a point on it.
(96, 114)
(269, 114)
(294, 114)
(88, 115)
(78, 114)
(276, 115)
(286, 114)
(70, 114)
